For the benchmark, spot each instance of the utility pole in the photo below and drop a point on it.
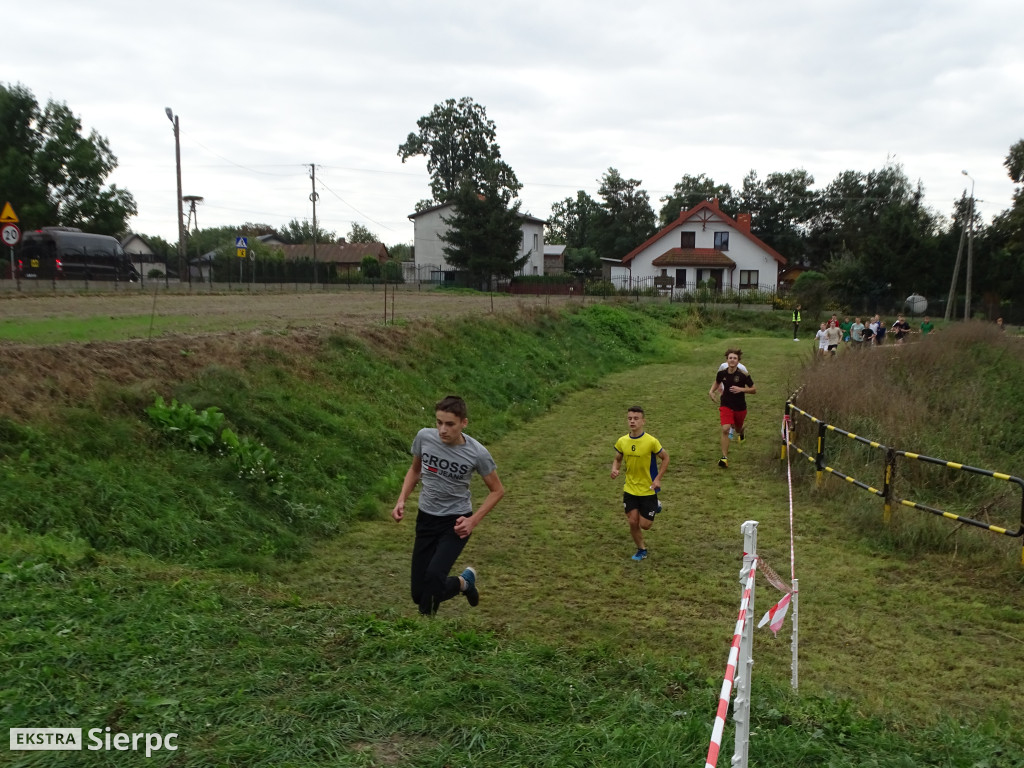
(193, 219)
(181, 218)
(193, 225)
(956, 272)
(970, 249)
(313, 196)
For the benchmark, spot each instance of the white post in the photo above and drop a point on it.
(745, 663)
(795, 642)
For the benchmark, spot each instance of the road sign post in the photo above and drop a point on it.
(9, 231)
(241, 251)
(10, 234)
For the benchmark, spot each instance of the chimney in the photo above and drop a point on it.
(743, 222)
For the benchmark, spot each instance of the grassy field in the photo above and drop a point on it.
(33, 319)
(150, 588)
(555, 560)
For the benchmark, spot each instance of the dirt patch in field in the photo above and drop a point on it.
(35, 379)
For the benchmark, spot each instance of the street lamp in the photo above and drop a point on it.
(970, 248)
(177, 164)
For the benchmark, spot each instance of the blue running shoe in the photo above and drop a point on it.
(471, 592)
(641, 554)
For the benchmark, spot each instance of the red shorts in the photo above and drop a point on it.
(729, 416)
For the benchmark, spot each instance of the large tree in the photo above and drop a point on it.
(459, 141)
(691, 190)
(571, 222)
(624, 218)
(1015, 162)
(880, 219)
(781, 208)
(401, 252)
(52, 174)
(361, 234)
(297, 232)
(1000, 247)
(484, 231)
(255, 229)
(582, 262)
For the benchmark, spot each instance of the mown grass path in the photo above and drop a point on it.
(916, 636)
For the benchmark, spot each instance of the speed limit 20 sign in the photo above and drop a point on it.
(10, 234)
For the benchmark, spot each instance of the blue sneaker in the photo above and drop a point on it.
(641, 554)
(471, 592)
(732, 433)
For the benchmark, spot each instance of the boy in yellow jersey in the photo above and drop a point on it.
(646, 462)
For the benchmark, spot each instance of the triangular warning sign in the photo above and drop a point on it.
(8, 217)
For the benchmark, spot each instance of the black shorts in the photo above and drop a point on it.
(646, 505)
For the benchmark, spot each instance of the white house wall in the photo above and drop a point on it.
(746, 253)
(427, 231)
(533, 243)
(429, 247)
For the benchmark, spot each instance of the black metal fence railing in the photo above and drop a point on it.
(263, 275)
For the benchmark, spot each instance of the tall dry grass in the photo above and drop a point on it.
(952, 395)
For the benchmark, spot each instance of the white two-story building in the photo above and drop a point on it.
(705, 245)
(429, 224)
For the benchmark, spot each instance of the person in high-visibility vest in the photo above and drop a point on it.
(796, 322)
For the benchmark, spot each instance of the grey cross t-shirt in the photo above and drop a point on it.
(446, 471)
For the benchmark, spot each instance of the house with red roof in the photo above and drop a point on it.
(704, 244)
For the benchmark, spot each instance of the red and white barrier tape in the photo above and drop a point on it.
(789, 479)
(730, 673)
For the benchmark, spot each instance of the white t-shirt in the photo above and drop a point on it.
(741, 366)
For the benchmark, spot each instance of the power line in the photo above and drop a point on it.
(353, 207)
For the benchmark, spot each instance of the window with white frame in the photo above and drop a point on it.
(748, 279)
(721, 241)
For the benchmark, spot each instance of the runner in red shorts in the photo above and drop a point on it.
(731, 385)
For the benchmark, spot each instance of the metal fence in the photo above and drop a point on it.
(256, 276)
(892, 456)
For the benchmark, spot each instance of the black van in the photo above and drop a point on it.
(66, 253)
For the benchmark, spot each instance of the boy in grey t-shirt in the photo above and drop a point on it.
(444, 459)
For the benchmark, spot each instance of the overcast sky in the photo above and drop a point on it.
(655, 89)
